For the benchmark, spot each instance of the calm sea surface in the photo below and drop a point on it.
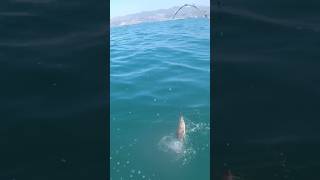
(157, 71)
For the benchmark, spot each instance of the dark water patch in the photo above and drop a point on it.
(266, 90)
(53, 70)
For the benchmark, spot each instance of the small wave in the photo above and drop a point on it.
(184, 65)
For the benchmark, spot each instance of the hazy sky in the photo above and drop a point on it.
(124, 7)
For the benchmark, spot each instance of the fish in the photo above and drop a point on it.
(181, 130)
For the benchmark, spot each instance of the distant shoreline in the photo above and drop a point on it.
(159, 15)
(115, 26)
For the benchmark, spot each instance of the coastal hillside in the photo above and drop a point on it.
(160, 15)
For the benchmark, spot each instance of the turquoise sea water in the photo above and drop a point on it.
(158, 70)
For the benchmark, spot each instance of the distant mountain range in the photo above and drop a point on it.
(161, 15)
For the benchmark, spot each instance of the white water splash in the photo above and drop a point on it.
(185, 151)
(171, 144)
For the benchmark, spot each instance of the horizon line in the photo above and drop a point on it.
(154, 10)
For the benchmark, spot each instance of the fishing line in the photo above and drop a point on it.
(189, 5)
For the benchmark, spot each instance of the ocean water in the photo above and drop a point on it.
(54, 95)
(54, 89)
(266, 86)
(158, 70)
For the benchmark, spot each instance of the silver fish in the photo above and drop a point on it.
(181, 130)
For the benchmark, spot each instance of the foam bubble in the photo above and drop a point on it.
(170, 144)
